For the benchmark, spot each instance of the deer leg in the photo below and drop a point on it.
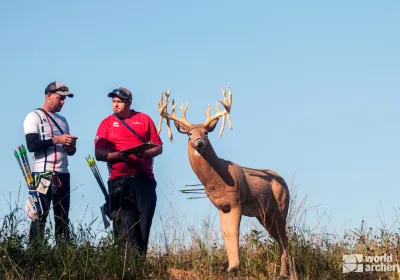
(276, 227)
(230, 223)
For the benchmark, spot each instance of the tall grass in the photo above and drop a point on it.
(189, 251)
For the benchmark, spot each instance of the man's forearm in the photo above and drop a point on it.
(36, 145)
(103, 155)
(153, 152)
(72, 151)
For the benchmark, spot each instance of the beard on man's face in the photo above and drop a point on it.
(58, 108)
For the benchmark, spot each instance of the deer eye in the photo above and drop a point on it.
(206, 133)
(190, 134)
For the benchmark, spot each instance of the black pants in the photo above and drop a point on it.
(61, 203)
(133, 201)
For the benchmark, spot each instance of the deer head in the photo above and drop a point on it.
(197, 132)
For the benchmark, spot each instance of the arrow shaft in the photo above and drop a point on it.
(27, 163)
(29, 176)
(194, 192)
(22, 169)
(92, 164)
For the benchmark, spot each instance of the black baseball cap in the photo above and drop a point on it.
(122, 93)
(59, 88)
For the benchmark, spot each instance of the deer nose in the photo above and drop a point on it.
(199, 142)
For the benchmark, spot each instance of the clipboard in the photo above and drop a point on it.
(139, 149)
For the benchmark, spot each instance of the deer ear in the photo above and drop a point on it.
(181, 127)
(212, 125)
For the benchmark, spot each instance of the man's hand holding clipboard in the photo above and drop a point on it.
(139, 150)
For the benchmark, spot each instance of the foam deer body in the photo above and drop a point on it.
(234, 190)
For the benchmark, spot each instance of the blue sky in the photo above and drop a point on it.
(315, 91)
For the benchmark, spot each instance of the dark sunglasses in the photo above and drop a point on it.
(63, 89)
(121, 92)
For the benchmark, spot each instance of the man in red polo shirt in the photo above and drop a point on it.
(132, 185)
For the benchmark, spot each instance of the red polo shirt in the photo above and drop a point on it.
(114, 136)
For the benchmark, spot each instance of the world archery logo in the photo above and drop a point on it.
(353, 263)
(361, 263)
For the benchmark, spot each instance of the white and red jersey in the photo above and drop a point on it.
(113, 136)
(55, 157)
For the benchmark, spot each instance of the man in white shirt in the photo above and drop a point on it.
(48, 137)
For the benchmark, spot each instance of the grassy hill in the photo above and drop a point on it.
(314, 255)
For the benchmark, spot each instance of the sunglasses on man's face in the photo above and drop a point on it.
(61, 97)
(121, 92)
(63, 89)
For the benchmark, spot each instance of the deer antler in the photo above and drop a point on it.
(162, 108)
(227, 103)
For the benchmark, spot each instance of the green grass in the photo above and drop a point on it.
(315, 254)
